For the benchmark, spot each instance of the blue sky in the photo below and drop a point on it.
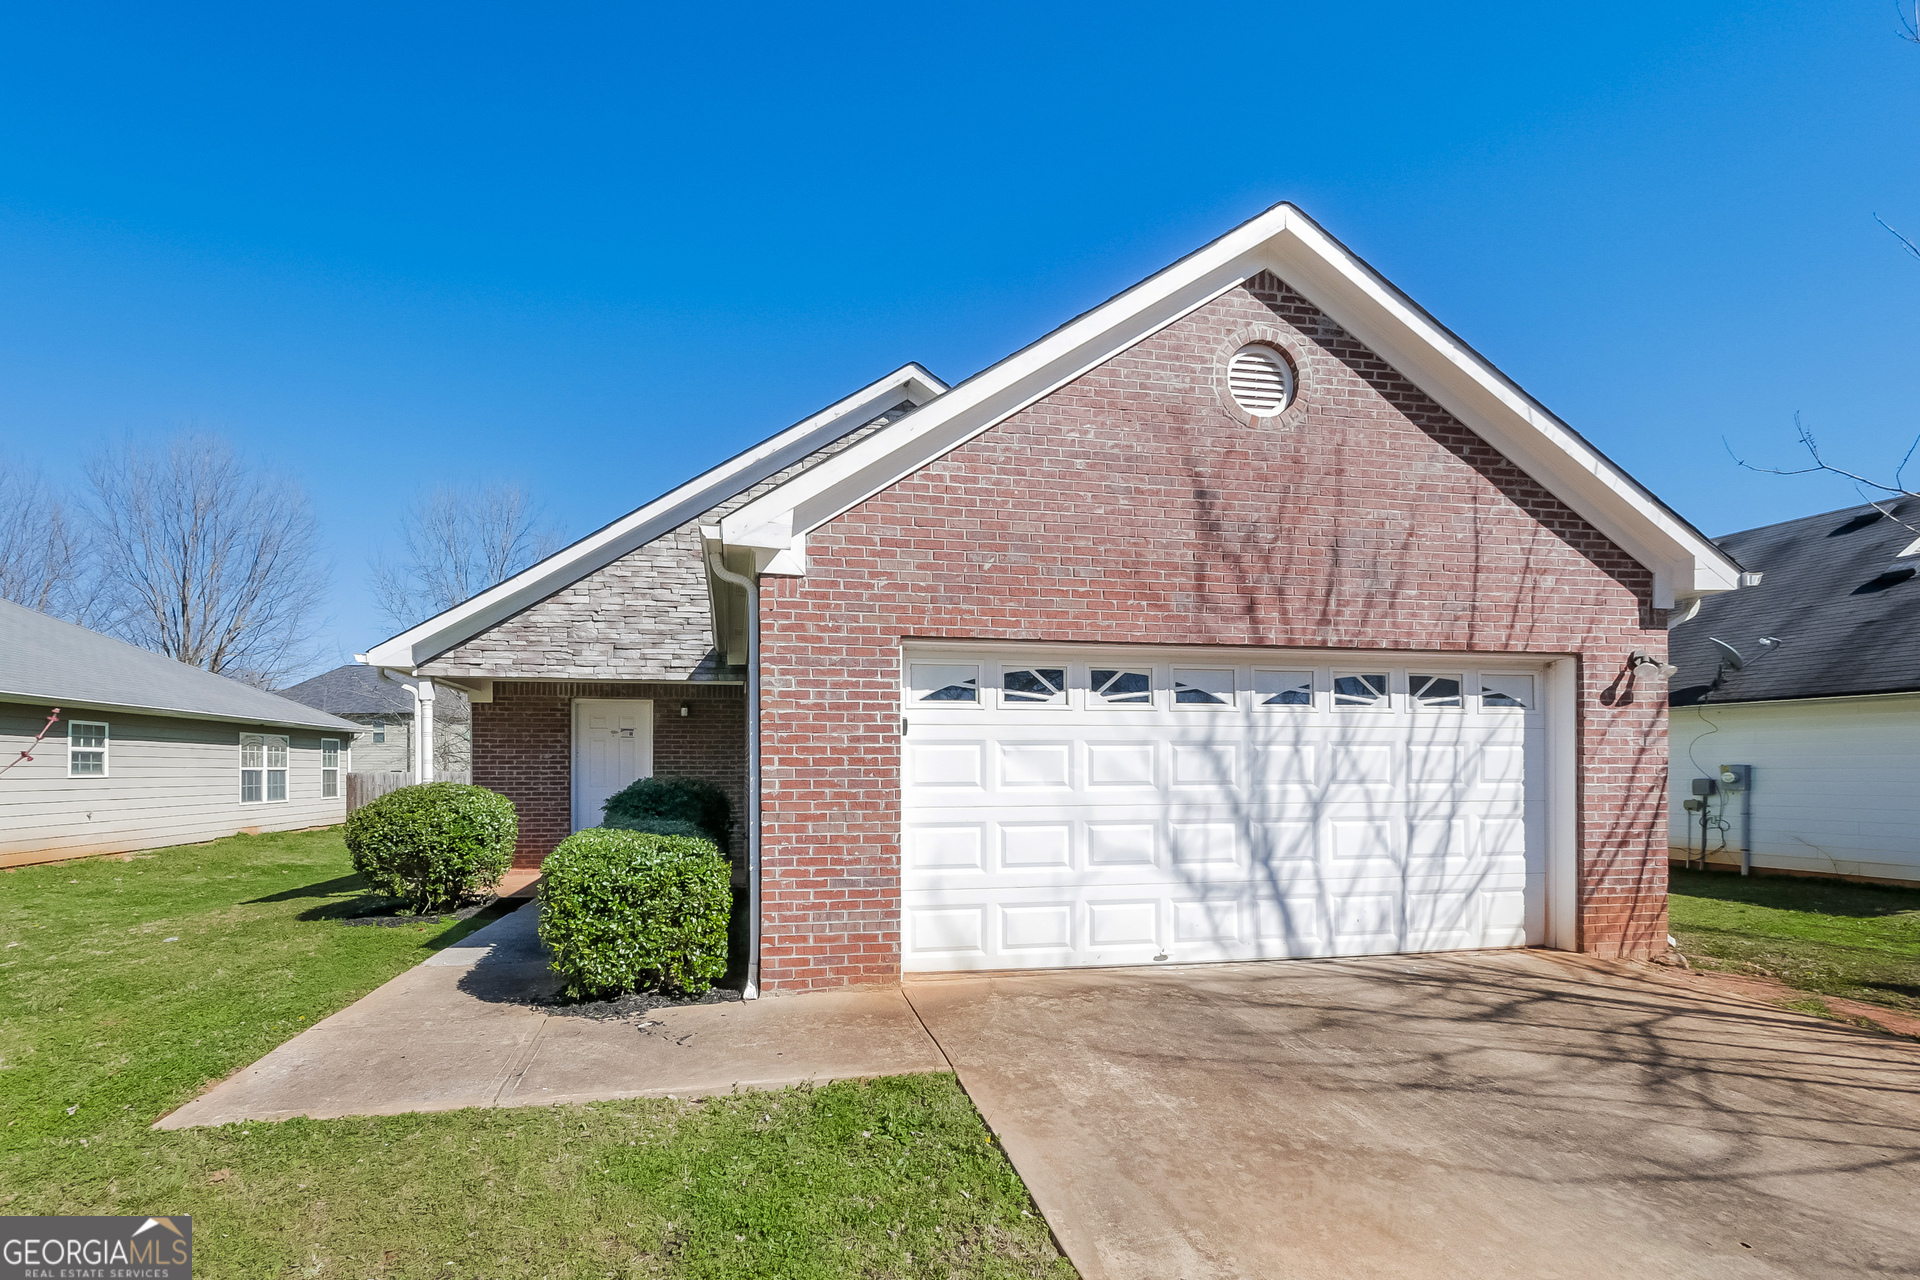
(598, 248)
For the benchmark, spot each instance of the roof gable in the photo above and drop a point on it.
(911, 383)
(1288, 243)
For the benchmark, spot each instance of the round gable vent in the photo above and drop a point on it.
(1260, 380)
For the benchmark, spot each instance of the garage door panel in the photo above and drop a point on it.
(1036, 764)
(1206, 764)
(1123, 923)
(1123, 844)
(1036, 846)
(946, 765)
(1043, 926)
(946, 848)
(1121, 765)
(1091, 832)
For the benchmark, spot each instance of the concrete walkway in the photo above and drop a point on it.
(457, 1031)
(1495, 1114)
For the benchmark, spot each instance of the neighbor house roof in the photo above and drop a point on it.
(908, 385)
(1836, 592)
(1283, 240)
(46, 661)
(353, 690)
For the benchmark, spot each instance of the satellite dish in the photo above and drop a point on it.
(1729, 656)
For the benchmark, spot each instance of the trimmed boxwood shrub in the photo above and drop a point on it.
(685, 799)
(626, 910)
(662, 827)
(433, 844)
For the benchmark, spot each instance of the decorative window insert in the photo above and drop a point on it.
(1435, 691)
(936, 682)
(1202, 687)
(1260, 380)
(1365, 692)
(1283, 688)
(263, 768)
(1113, 687)
(86, 749)
(1034, 687)
(1513, 693)
(329, 768)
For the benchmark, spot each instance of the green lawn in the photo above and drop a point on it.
(131, 985)
(1830, 938)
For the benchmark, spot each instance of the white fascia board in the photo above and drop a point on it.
(1286, 241)
(437, 634)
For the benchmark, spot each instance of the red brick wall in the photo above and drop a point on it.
(1131, 506)
(523, 748)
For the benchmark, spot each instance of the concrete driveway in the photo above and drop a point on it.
(1493, 1114)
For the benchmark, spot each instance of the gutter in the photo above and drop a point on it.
(421, 692)
(715, 554)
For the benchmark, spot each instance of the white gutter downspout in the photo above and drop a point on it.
(752, 585)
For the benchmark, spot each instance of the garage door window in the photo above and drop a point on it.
(1202, 688)
(1434, 692)
(1113, 687)
(1283, 688)
(1513, 693)
(1361, 692)
(1034, 686)
(942, 683)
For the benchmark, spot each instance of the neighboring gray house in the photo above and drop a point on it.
(384, 710)
(1811, 678)
(107, 748)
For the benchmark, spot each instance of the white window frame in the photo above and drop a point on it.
(1095, 701)
(106, 735)
(1379, 707)
(380, 732)
(266, 768)
(1273, 675)
(333, 781)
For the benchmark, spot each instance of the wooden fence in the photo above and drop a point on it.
(365, 788)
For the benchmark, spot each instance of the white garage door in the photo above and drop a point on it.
(1119, 808)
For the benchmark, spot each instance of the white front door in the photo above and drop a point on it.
(1125, 806)
(612, 746)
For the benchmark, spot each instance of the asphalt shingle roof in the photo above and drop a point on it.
(1836, 593)
(353, 690)
(45, 660)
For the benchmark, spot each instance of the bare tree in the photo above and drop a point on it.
(1879, 494)
(458, 542)
(41, 558)
(205, 559)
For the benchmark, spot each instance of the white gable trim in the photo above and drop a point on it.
(1285, 241)
(461, 623)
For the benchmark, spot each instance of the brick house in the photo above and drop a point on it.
(1249, 614)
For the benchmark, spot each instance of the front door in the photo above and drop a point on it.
(612, 746)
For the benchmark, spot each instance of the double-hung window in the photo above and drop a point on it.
(86, 749)
(263, 767)
(329, 768)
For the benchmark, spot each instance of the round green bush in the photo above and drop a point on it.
(434, 844)
(627, 910)
(661, 827)
(685, 799)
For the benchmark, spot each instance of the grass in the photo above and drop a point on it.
(1826, 937)
(131, 985)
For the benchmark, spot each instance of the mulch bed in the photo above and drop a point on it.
(636, 1004)
(445, 917)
